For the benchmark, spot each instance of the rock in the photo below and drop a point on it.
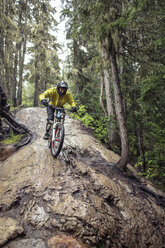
(64, 241)
(9, 229)
(27, 243)
(36, 216)
(79, 193)
(6, 151)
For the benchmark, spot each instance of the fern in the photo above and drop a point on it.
(13, 139)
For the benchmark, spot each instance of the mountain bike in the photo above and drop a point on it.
(56, 131)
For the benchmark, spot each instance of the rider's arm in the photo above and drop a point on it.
(70, 99)
(47, 94)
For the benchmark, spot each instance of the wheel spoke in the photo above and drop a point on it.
(58, 140)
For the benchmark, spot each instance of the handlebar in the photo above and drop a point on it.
(46, 103)
(60, 108)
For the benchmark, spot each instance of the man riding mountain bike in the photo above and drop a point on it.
(58, 97)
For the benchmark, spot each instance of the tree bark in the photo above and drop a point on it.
(9, 119)
(113, 136)
(2, 79)
(22, 53)
(142, 146)
(119, 106)
(14, 91)
(75, 63)
(108, 93)
(36, 87)
(101, 94)
(137, 147)
(7, 71)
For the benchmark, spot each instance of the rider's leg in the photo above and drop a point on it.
(50, 114)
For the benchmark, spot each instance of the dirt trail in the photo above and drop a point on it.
(80, 194)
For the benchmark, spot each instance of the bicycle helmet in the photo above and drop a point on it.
(62, 85)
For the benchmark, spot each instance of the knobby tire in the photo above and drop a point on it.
(50, 141)
(50, 135)
(57, 144)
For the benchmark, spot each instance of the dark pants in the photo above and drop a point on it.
(50, 113)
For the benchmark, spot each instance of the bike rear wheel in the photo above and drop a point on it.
(57, 143)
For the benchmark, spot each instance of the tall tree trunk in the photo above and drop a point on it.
(21, 68)
(101, 94)
(36, 87)
(7, 69)
(2, 47)
(113, 136)
(22, 53)
(75, 63)
(142, 148)
(14, 92)
(9, 49)
(135, 124)
(118, 106)
(108, 93)
(2, 79)
(19, 98)
(42, 79)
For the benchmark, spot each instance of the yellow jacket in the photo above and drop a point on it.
(57, 100)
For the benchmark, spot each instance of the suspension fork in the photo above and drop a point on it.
(54, 130)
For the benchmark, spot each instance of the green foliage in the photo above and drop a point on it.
(84, 116)
(154, 172)
(98, 126)
(13, 139)
(101, 129)
(27, 95)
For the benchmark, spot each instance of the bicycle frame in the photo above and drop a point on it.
(56, 132)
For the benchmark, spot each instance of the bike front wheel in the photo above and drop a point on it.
(57, 140)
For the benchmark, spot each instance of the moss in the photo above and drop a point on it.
(12, 139)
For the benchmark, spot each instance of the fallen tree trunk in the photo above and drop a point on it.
(11, 125)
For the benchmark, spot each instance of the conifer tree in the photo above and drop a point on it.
(95, 20)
